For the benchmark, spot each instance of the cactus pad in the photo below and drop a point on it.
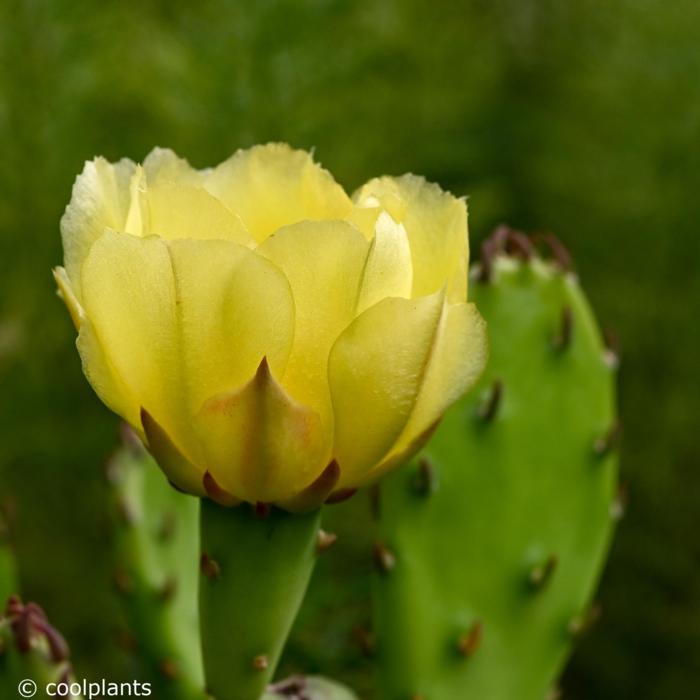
(491, 542)
(255, 569)
(156, 550)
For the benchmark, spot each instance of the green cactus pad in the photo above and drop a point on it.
(156, 551)
(255, 571)
(492, 541)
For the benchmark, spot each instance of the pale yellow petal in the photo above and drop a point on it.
(365, 219)
(388, 270)
(376, 370)
(436, 223)
(174, 211)
(323, 262)
(396, 458)
(260, 444)
(136, 215)
(177, 468)
(103, 378)
(459, 356)
(182, 320)
(65, 291)
(130, 300)
(100, 200)
(97, 369)
(234, 308)
(273, 185)
(164, 165)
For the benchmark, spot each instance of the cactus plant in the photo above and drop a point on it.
(33, 654)
(255, 570)
(488, 545)
(491, 542)
(156, 550)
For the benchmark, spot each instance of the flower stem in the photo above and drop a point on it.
(255, 572)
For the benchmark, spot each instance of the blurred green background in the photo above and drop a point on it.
(577, 117)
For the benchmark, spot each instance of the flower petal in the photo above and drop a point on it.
(164, 165)
(100, 200)
(178, 469)
(273, 185)
(376, 370)
(323, 262)
(316, 493)
(103, 378)
(65, 291)
(96, 368)
(260, 444)
(436, 223)
(234, 308)
(183, 320)
(458, 359)
(130, 300)
(174, 211)
(388, 270)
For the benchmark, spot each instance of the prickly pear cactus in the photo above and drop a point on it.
(491, 542)
(156, 551)
(32, 653)
(256, 567)
(308, 688)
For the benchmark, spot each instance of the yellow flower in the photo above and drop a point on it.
(271, 339)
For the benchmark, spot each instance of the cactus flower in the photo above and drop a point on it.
(271, 339)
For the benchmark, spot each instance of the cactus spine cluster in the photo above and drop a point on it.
(491, 542)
